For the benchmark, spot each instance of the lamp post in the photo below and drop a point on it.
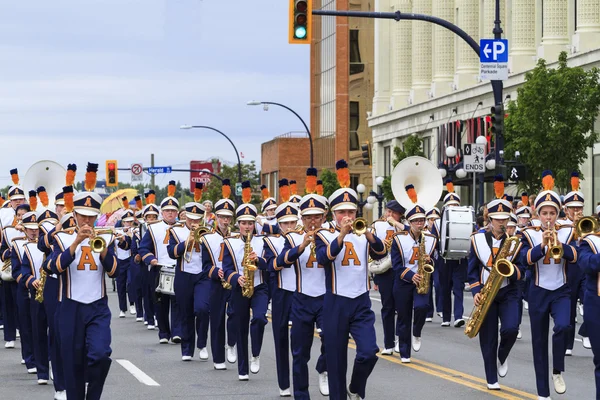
(265, 103)
(361, 189)
(377, 196)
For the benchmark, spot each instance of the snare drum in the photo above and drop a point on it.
(457, 225)
(166, 280)
(6, 272)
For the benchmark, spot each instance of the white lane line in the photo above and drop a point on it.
(376, 299)
(137, 373)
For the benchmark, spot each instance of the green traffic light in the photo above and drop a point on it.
(300, 32)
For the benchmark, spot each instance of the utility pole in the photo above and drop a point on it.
(152, 186)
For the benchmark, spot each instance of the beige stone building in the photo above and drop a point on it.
(427, 79)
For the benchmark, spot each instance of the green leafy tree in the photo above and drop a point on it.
(330, 182)
(552, 122)
(413, 146)
(249, 173)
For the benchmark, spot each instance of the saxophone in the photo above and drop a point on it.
(226, 285)
(249, 268)
(424, 269)
(39, 292)
(501, 269)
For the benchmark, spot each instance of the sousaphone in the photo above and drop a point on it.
(48, 174)
(425, 177)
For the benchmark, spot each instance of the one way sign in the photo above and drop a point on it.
(493, 57)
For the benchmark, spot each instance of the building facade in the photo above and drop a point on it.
(427, 78)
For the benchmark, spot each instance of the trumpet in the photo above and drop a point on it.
(555, 249)
(359, 226)
(97, 243)
(586, 226)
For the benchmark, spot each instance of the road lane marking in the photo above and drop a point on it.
(137, 373)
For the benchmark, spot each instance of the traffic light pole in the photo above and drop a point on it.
(497, 86)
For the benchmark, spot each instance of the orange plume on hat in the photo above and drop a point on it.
(151, 199)
(525, 198)
(171, 189)
(138, 202)
(68, 197)
(2, 200)
(91, 176)
(43, 195)
(71, 170)
(574, 181)
(246, 192)
(449, 185)
(411, 192)
(319, 189)
(225, 189)
(499, 186)
(33, 200)
(293, 188)
(264, 192)
(343, 174)
(311, 180)
(125, 201)
(284, 190)
(547, 180)
(198, 191)
(14, 174)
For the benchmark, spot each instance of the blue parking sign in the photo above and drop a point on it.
(493, 51)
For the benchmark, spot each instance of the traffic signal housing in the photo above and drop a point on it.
(300, 22)
(497, 119)
(112, 173)
(366, 153)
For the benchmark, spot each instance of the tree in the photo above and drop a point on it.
(413, 146)
(249, 173)
(552, 122)
(330, 182)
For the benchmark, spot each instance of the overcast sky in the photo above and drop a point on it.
(114, 79)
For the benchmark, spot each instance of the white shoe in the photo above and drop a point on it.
(352, 396)
(319, 330)
(459, 322)
(139, 319)
(255, 365)
(1, 327)
(18, 334)
(163, 341)
(439, 314)
(559, 383)
(186, 358)
(445, 323)
(150, 327)
(231, 354)
(220, 366)
(493, 386)
(397, 347)
(467, 287)
(203, 354)
(9, 344)
(387, 352)
(285, 392)
(145, 322)
(42, 381)
(32, 370)
(132, 310)
(22, 362)
(519, 335)
(429, 319)
(176, 339)
(416, 343)
(569, 352)
(525, 305)
(61, 395)
(544, 398)
(243, 377)
(289, 324)
(405, 360)
(122, 314)
(324, 384)
(585, 341)
(580, 309)
(503, 369)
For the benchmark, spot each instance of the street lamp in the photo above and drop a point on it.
(266, 103)
(361, 189)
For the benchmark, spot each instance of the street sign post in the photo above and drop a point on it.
(137, 172)
(474, 157)
(159, 170)
(493, 58)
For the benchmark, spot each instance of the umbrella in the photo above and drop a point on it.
(101, 221)
(112, 219)
(113, 202)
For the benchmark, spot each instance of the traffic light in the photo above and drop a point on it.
(366, 153)
(112, 173)
(497, 119)
(300, 22)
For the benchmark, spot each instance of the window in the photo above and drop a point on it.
(327, 53)
(354, 178)
(275, 184)
(387, 161)
(427, 146)
(354, 123)
(356, 65)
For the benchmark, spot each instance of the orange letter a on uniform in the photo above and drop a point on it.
(350, 254)
(87, 258)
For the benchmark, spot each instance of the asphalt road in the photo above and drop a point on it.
(449, 366)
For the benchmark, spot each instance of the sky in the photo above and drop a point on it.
(115, 79)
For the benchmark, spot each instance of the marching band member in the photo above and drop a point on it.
(548, 291)
(147, 277)
(247, 295)
(385, 228)
(153, 249)
(123, 253)
(31, 266)
(212, 258)
(84, 316)
(405, 252)
(307, 301)
(589, 263)
(268, 225)
(345, 255)
(511, 225)
(573, 202)
(284, 283)
(505, 306)
(431, 216)
(135, 274)
(294, 196)
(523, 214)
(192, 285)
